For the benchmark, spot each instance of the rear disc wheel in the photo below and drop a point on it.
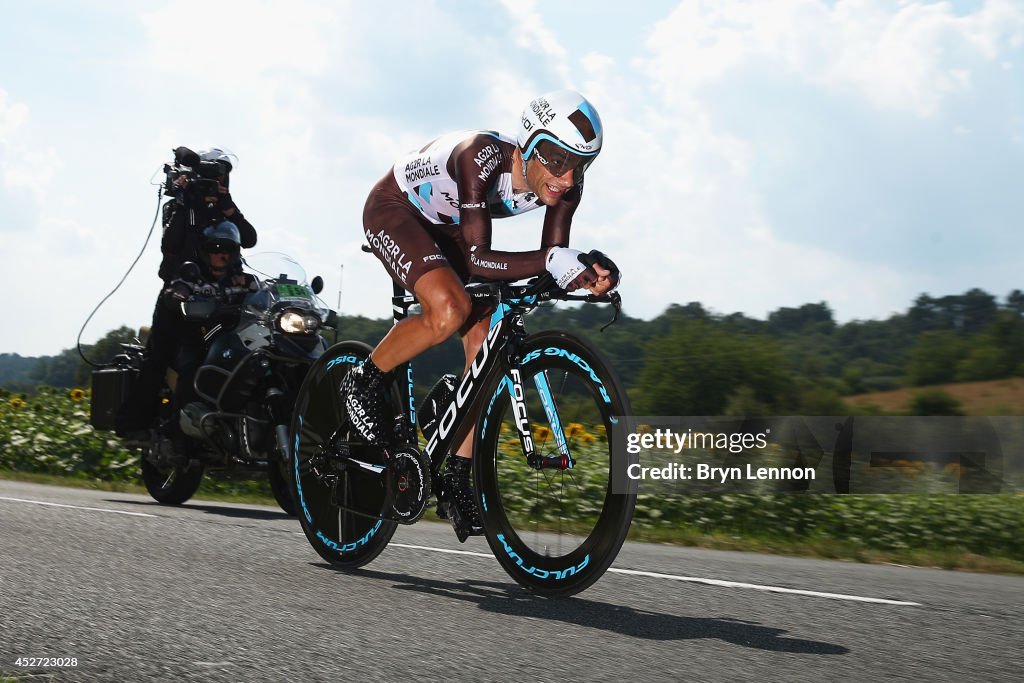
(339, 507)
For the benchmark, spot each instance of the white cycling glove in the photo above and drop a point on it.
(565, 266)
(573, 269)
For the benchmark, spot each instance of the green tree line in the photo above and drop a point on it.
(689, 360)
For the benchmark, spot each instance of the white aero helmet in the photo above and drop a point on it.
(562, 129)
(222, 155)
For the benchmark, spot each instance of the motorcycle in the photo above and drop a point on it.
(246, 386)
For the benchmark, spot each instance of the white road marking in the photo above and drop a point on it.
(759, 587)
(442, 550)
(76, 507)
(614, 570)
(697, 579)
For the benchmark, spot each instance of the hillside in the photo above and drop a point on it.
(16, 369)
(992, 397)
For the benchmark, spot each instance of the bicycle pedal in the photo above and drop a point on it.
(462, 530)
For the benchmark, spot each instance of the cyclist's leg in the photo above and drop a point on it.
(445, 308)
(472, 340)
(466, 517)
(399, 237)
(403, 241)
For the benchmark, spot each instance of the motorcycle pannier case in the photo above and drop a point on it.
(110, 386)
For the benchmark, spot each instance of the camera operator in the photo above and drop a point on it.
(201, 199)
(198, 183)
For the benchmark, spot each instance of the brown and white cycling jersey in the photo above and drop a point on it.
(438, 206)
(460, 171)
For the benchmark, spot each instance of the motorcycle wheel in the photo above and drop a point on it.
(171, 485)
(281, 488)
(278, 473)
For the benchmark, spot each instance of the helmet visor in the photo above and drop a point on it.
(558, 160)
(221, 247)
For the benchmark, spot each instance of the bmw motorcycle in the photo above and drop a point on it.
(246, 386)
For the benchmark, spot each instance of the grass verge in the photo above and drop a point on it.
(678, 534)
(829, 549)
(208, 490)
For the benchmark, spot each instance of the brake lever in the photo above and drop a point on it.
(616, 302)
(542, 284)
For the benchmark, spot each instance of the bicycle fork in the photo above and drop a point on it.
(517, 396)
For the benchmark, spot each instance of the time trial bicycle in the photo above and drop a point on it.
(551, 484)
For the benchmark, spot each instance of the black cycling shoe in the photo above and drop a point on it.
(362, 393)
(460, 499)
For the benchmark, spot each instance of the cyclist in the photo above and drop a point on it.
(429, 222)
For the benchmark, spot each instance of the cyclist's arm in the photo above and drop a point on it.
(475, 176)
(558, 219)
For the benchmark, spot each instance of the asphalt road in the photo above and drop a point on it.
(221, 592)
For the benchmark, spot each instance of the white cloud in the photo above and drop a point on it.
(31, 170)
(25, 165)
(530, 32)
(237, 44)
(728, 110)
(908, 57)
(685, 193)
(12, 115)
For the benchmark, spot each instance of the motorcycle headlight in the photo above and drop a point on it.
(297, 322)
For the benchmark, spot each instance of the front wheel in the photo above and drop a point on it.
(338, 507)
(556, 530)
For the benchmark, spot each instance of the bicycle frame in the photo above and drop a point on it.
(498, 353)
(354, 494)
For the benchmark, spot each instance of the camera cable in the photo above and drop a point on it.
(149, 235)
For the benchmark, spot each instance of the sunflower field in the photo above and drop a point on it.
(48, 432)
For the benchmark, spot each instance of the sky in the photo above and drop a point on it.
(758, 154)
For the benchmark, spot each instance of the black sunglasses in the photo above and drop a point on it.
(221, 248)
(558, 161)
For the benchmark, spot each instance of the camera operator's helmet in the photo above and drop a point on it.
(563, 131)
(224, 156)
(222, 238)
